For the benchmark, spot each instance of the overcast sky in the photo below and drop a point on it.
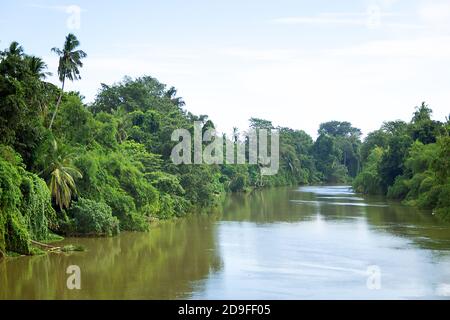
(297, 63)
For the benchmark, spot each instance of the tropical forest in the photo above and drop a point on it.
(73, 169)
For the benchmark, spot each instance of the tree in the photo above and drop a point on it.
(338, 146)
(424, 129)
(392, 162)
(62, 176)
(69, 61)
(337, 128)
(368, 180)
(23, 98)
(172, 95)
(422, 113)
(11, 60)
(37, 66)
(377, 138)
(328, 158)
(257, 123)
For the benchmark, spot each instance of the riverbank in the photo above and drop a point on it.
(309, 242)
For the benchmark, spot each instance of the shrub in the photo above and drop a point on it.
(414, 185)
(238, 183)
(399, 189)
(134, 221)
(428, 200)
(36, 206)
(90, 217)
(443, 203)
(25, 205)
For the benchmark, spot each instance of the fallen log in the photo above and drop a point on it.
(49, 247)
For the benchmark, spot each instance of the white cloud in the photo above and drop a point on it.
(259, 54)
(435, 13)
(64, 8)
(424, 47)
(319, 20)
(374, 17)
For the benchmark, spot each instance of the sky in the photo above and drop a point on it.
(297, 63)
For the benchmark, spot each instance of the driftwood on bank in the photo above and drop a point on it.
(46, 246)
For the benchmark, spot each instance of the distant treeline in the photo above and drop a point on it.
(74, 169)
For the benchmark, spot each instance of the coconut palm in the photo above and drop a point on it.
(62, 176)
(69, 61)
(37, 67)
(15, 49)
(12, 59)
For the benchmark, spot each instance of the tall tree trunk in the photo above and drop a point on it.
(57, 105)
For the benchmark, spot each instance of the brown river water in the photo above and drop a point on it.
(321, 242)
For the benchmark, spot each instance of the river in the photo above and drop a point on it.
(281, 243)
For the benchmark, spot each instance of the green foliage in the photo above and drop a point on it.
(108, 164)
(415, 164)
(392, 162)
(441, 164)
(421, 157)
(61, 174)
(238, 183)
(75, 124)
(68, 67)
(328, 159)
(36, 207)
(399, 189)
(114, 152)
(377, 138)
(296, 159)
(25, 208)
(337, 151)
(368, 181)
(9, 203)
(105, 177)
(17, 239)
(202, 185)
(422, 128)
(92, 218)
(257, 123)
(165, 182)
(23, 102)
(443, 204)
(338, 129)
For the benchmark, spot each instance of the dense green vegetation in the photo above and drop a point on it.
(72, 168)
(410, 162)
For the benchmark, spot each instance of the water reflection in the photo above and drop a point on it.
(292, 243)
(319, 242)
(162, 264)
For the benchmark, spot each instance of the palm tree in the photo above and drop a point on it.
(37, 67)
(12, 60)
(15, 49)
(69, 61)
(62, 176)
